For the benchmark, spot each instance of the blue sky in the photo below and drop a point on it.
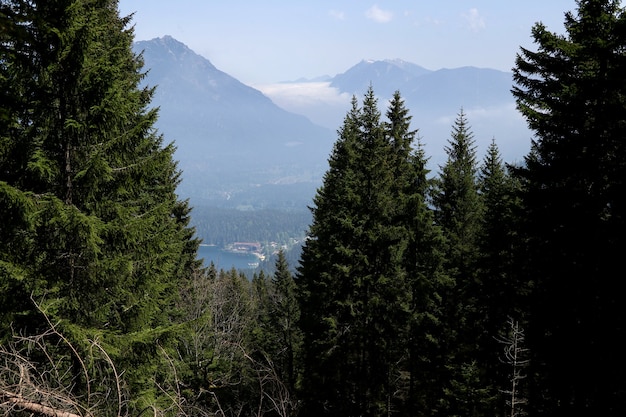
(262, 42)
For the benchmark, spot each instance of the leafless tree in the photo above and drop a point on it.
(515, 355)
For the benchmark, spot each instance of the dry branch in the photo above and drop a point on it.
(17, 400)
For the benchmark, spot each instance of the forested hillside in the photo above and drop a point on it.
(480, 289)
(221, 226)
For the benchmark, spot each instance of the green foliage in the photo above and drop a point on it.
(92, 228)
(362, 298)
(458, 206)
(571, 92)
(285, 315)
(498, 292)
(458, 211)
(221, 226)
(403, 280)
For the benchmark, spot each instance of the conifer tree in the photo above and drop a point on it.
(456, 199)
(285, 316)
(320, 277)
(424, 343)
(458, 211)
(571, 91)
(498, 292)
(356, 237)
(351, 277)
(95, 231)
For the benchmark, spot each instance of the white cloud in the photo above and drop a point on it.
(336, 14)
(318, 101)
(378, 15)
(475, 21)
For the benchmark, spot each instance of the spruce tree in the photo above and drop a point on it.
(351, 277)
(95, 232)
(285, 315)
(571, 91)
(424, 341)
(458, 211)
(498, 293)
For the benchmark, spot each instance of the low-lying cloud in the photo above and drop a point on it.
(326, 106)
(322, 104)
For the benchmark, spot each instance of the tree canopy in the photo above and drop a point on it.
(571, 92)
(92, 230)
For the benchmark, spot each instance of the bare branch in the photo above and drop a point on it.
(25, 404)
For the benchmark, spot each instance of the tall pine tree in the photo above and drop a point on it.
(498, 293)
(95, 232)
(285, 315)
(420, 384)
(571, 91)
(458, 211)
(351, 277)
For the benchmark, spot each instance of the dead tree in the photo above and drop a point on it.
(515, 356)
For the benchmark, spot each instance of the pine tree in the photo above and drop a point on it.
(571, 92)
(458, 211)
(499, 294)
(285, 316)
(95, 231)
(351, 280)
(456, 200)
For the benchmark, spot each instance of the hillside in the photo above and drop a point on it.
(234, 145)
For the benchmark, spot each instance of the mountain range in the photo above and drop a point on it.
(238, 148)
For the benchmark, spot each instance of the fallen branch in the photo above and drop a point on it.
(25, 404)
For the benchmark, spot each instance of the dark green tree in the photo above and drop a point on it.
(418, 382)
(285, 315)
(498, 292)
(92, 228)
(571, 91)
(458, 211)
(351, 278)
(456, 198)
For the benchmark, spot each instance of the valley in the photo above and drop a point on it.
(250, 168)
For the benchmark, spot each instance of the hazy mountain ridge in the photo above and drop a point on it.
(434, 99)
(236, 147)
(462, 87)
(231, 139)
(385, 76)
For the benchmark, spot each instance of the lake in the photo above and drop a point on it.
(226, 260)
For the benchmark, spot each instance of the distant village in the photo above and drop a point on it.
(257, 249)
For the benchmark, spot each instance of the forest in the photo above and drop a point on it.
(221, 226)
(483, 289)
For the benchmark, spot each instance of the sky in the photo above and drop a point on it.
(264, 42)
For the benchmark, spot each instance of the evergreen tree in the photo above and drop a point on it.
(285, 316)
(571, 92)
(498, 293)
(94, 230)
(351, 277)
(426, 340)
(456, 198)
(458, 211)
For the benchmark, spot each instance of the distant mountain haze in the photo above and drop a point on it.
(434, 98)
(385, 76)
(231, 139)
(238, 148)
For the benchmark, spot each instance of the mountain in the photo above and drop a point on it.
(238, 148)
(461, 87)
(385, 76)
(433, 97)
(234, 145)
